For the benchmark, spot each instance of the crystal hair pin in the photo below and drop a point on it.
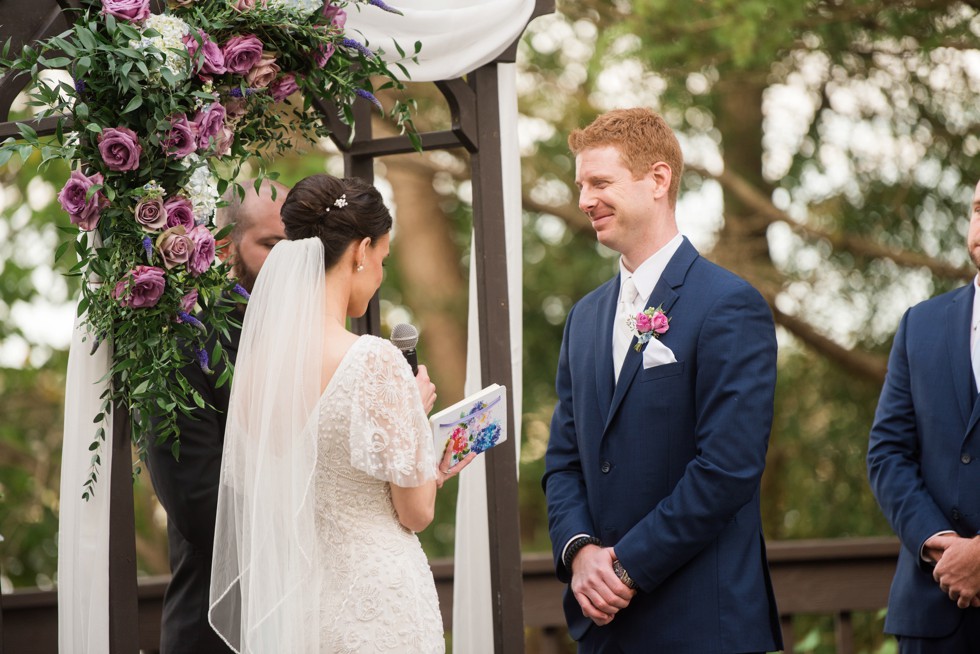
(340, 202)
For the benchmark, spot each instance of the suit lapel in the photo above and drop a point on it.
(959, 315)
(664, 294)
(604, 379)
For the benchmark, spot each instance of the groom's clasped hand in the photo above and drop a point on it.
(599, 592)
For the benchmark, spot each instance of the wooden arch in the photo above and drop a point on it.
(473, 103)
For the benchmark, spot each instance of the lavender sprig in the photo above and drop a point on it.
(237, 92)
(238, 288)
(191, 320)
(148, 248)
(367, 95)
(381, 5)
(360, 47)
(203, 361)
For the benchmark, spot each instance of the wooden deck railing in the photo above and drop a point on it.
(828, 577)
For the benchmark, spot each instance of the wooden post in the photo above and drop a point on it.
(362, 165)
(490, 258)
(123, 604)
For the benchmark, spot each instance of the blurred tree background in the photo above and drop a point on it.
(832, 154)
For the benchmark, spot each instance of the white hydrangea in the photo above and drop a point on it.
(302, 7)
(201, 189)
(172, 31)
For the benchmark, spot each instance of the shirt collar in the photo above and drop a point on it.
(648, 273)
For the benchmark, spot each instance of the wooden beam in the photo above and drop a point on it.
(123, 607)
(489, 256)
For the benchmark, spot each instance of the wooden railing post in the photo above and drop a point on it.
(123, 602)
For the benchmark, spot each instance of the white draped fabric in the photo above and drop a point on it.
(458, 36)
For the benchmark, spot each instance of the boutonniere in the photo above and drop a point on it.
(648, 324)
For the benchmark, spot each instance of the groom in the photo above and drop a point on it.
(658, 443)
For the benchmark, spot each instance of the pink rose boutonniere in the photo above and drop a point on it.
(648, 324)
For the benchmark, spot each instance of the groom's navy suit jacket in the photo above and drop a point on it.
(922, 454)
(665, 465)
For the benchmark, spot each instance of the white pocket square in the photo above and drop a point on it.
(656, 354)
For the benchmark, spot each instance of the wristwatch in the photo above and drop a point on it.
(575, 546)
(622, 574)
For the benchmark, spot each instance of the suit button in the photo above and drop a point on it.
(955, 515)
(966, 458)
(605, 467)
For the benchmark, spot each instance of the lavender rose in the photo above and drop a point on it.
(188, 301)
(180, 211)
(203, 254)
(174, 247)
(151, 214)
(180, 140)
(141, 287)
(323, 54)
(208, 123)
(284, 87)
(235, 109)
(120, 148)
(82, 212)
(213, 60)
(223, 141)
(242, 53)
(336, 15)
(131, 10)
(264, 71)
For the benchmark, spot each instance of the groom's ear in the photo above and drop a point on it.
(661, 175)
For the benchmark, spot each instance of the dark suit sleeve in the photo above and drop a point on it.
(563, 483)
(734, 389)
(894, 455)
(188, 488)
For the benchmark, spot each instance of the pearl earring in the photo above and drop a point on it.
(360, 267)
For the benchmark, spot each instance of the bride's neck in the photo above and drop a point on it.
(338, 296)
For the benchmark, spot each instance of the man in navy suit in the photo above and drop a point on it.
(658, 443)
(924, 470)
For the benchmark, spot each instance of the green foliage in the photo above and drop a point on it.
(158, 119)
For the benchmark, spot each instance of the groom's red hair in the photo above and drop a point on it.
(642, 137)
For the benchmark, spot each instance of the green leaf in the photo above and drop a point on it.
(54, 62)
(27, 132)
(135, 103)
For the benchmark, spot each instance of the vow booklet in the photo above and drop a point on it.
(474, 424)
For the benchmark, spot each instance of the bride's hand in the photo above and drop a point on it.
(444, 472)
(427, 390)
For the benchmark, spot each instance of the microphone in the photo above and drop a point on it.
(405, 337)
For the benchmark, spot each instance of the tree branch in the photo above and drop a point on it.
(853, 244)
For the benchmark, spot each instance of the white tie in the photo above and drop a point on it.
(622, 335)
(975, 356)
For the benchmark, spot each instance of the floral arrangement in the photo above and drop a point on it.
(647, 324)
(164, 110)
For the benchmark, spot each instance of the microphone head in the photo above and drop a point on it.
(405, 336)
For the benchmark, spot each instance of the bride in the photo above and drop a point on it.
(328, 466)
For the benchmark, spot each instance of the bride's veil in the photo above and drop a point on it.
(264, 586)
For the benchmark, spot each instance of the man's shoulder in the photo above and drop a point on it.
(714, 281)
(931, 305)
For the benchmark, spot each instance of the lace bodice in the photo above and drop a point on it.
(378, 594)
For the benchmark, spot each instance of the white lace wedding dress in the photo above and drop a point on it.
(378, 594)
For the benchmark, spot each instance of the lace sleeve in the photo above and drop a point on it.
(390, 437)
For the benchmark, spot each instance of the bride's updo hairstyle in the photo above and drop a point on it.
(337, 211)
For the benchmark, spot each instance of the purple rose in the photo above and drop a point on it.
(284, 87)
(141, 287)
(323, 54)
(130, 10)
(174, 247)
(82, 212)
(242, 53)
(180, 211)
(264, 72)
(188, 301)
(235, 109)
(120, 148)
(223, 141)
(213, 60)
(151, 214)
(203, 254)
(244, 5)
(208, 123)
(180, 140)
(660, 322)
(336, 15)
(643, 323)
